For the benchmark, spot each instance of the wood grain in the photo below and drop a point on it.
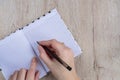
(95, 24)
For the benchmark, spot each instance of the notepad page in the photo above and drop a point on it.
(51, 27)
(16, 53)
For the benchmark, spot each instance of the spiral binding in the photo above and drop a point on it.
(29, 23)
(33, 22)
(38, 18)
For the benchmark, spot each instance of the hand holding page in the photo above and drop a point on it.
(16, 53)
(17, 50)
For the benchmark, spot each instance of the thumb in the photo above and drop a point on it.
(45, 57)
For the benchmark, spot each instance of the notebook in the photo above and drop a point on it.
(17, 50)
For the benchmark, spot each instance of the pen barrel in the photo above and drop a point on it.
(62, 62)
(53, 55)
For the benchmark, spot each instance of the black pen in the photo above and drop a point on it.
(53, 55)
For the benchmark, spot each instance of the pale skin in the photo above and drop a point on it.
(58, 71)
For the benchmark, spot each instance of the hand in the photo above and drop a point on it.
(65, 53)
(24, 74)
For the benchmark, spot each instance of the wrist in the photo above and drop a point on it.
(69, 76)
(76, 77)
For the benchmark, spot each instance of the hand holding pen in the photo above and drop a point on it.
(65, 54)
(58, 70)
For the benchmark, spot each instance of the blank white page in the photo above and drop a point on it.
(16, 53)
(49, 27)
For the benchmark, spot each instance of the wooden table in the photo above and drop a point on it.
(95, 24)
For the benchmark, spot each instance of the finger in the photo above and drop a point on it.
(21, 74)
(14, 76)
(10, 78)
(54, 44)
(43, 50)
(37, 75)
(31, 71)
(44, 56)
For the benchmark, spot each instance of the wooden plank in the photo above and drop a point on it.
(17, 13)
(93, 23)
(107, 39)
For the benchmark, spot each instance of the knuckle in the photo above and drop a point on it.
(23, 70)
(31, 70)
(70, 51)
(15, 72)
(67, 50)
(53, 40)
(62, 44)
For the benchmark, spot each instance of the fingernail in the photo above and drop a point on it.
(41, 54)
(15, 71)
(38, 43)
(33, 60)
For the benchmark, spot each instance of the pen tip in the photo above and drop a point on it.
(37, 42)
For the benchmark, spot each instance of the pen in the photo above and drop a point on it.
(53, 55)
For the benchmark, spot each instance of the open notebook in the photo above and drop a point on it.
(17, 50)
